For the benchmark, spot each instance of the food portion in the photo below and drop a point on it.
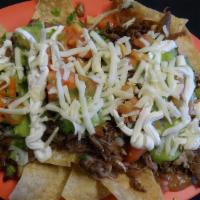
(40, 182)
(110, 106)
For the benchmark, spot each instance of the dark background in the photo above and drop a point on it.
(182, 8)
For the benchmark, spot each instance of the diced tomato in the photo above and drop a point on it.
(2, 105)
(126, 87)
(3, 91)
(72, 34)
(90, 85)
(70, 82)
(12, 119)
(99, 131)
(128, 106)
(54, 96)
(111, 20)
(148, 38)
(109, 197)
(135, 58)
(12, 87)
(10, 90)
(88, 55)
(51, 83)
(134, 154)
(52, 77)
(136, 42)
(49, 56)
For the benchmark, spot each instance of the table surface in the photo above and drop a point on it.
(184, 8)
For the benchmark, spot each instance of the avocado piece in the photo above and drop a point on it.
(66, 126)
(23, 128)
(19, 142)
(34, 29)
(21, 41)
(161, 156)
(162, 125)
(97, 120)
(10, 171)
(168, 56)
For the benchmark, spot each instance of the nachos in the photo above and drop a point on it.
(102, 109)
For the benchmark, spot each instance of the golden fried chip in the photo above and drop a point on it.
(119, 188)
(141, 11)
(55, 11)
(122, 190)
(187, 48)
(40, 182)
(62, 158)
(80, 186)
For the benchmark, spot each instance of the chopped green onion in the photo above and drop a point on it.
(55, 12)
(50, 33)
(20, 143)
(2, 38)
(71, 18)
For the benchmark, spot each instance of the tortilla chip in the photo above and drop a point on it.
(80, 185)
(187, 48)
(144, 12)
(62, 158)
(146, 178)
(45, 7)
(40, 182)
(118, 189)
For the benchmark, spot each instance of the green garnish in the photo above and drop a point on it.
(10, 170)
(168, 56)
(35, 29)
(162, 125)
(22, 129)
(97, 120)
(50, 33)
(20, 41)
(161, 156)
(12, 155)
(55, 12)
(71, 18)
(20, 143)
(2, 38)
(22, 87)
(66, 126)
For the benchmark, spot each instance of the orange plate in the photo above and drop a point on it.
(19, 15)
